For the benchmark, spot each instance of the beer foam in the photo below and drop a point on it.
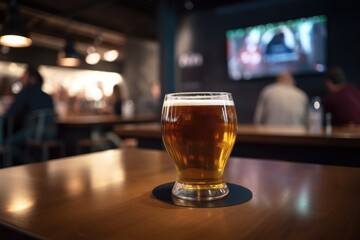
(198, 102)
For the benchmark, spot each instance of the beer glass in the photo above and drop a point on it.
(199, 131)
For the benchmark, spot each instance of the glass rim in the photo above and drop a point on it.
(199, 98)
(199, 93)
(190, 94)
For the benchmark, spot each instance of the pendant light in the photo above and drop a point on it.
(111, 55)
(69, 57)
(92, 57)
(14, 33)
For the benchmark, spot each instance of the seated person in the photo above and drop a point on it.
(30, 99)
(343, 100)
(282, 103)
(6, 95)
(149, 102)
(116, 100)
(101, 133)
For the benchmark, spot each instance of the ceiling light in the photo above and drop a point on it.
(69, 57)
(111, 55)
(93, 58)
(14, 33)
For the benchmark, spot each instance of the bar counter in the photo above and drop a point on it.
(107, 195)
(345, 137)
(339, 147)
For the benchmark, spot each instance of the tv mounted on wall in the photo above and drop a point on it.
(297, 45)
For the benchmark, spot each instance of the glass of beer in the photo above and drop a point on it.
(199, 131)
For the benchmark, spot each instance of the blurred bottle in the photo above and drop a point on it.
(315, 115)
(328, 123)
(128, 109)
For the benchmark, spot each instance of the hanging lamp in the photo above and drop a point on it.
(14, 33)
(69, 57)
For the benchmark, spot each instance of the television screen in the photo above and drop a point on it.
(298, 46)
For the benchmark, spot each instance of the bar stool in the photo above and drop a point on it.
(42, 134)
(5, 150)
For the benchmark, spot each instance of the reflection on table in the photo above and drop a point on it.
(108, 195)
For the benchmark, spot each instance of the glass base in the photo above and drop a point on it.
(199, 192)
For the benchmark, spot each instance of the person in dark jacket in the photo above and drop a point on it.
(31, 98)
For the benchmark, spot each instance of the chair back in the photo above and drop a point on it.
(41, 125)
(1, 131)
(6, 129)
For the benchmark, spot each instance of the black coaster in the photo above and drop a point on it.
(238, 194)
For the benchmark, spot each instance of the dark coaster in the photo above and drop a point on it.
(238, 194)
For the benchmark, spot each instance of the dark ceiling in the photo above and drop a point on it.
(122, 18)
(130, 17)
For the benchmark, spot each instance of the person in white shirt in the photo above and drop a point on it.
(282, 103)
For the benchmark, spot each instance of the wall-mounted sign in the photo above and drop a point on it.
(190, 60)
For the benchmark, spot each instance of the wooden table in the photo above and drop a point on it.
(145, 130)
(107, 195)
(92, 120)
(346, 137)
(340, 147)
(76, 130)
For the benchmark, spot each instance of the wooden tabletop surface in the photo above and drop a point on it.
(107, 195)
(346, 137)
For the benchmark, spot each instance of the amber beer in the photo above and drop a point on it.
(199, 132)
